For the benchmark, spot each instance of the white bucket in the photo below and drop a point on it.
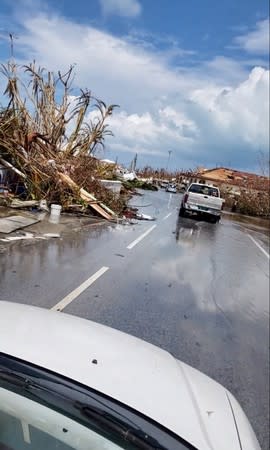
(55, 213)
(56, 210)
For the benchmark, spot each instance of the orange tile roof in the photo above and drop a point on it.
(237, 178)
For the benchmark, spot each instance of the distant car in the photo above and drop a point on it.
(171, 188)
(68, 383)
(202, 199)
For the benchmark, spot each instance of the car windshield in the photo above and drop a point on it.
(40, 411)
(205, 190)
(27, 425)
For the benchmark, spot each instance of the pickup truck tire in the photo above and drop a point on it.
(215, 219)
(182, 211)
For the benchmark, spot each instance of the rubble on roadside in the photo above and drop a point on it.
(13, 223)
(47, 146)
(132, 213)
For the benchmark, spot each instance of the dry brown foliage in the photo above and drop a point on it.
(44, 131)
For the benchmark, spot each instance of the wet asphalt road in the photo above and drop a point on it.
(198, 290)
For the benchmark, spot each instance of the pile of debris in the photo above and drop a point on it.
(48, 138)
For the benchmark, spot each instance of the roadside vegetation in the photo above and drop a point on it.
(49, 136)
(249, 202)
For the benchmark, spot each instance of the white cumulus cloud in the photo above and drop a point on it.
(124, 8)
(257, 40)
(212, 112)
(211, 125)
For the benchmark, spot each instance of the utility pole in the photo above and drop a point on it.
(169, 157)
(134, 162)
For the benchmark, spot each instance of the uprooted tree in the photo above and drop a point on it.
(47, 136)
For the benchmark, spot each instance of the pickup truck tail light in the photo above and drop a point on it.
(185, 198)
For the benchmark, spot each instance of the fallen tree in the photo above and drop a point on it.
(48, 138)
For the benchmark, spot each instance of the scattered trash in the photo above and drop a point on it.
(130, 176)
(25, 236)
(18, 238)
(144, 217)
(43, 205)
(130, 213)
(125, 175)
(119, 254)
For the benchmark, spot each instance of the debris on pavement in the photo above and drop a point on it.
(130, 213)
(18, 238)
(44, 162)
(52, 235)
(12, 223)
(26, 236)
(144, 217)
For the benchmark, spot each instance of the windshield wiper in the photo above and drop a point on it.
(98, 417)
(16, 379)
(134, 435)
(92, 409)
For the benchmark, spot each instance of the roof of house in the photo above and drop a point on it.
(237, 178)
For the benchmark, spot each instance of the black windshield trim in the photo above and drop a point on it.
(89, 407)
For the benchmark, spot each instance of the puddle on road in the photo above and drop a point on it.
(189, 231)
(185, 235)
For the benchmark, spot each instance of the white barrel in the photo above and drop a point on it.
(55, 214)
(56, 210)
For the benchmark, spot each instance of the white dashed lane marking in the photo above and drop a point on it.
(166, 217)
(76, 292)
(140, 238)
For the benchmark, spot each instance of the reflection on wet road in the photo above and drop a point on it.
(197, 289)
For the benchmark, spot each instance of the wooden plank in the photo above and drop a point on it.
(89, 198)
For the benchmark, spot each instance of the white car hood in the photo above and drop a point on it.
(129, 370)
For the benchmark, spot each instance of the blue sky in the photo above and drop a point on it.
(190, 76)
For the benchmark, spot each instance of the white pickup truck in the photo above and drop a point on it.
(202, 199)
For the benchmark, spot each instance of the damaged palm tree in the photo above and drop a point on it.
(46, 134)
